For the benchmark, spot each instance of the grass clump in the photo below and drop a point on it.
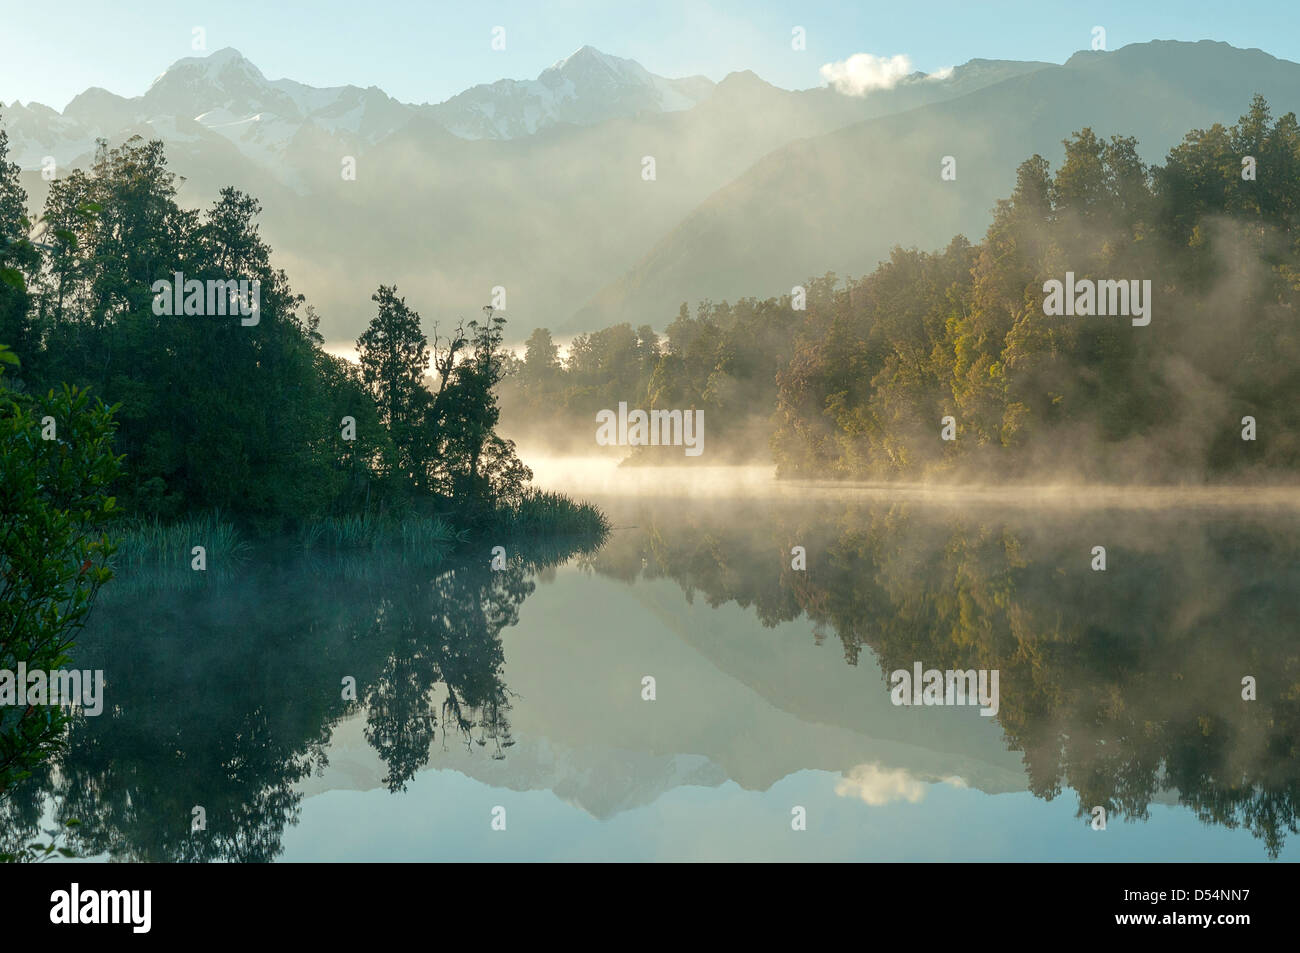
(418, 536)
(547, 513)
(152, 544)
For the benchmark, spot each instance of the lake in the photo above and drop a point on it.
(716, 682)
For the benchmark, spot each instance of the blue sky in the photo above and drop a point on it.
(420, 51)
(444, 816)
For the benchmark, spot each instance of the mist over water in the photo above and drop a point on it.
(524, 687)
(600, 476)
(924, 478)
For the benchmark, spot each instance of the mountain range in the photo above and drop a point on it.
(540, 186)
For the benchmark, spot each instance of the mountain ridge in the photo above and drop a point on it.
(774, 218)
(562, 217)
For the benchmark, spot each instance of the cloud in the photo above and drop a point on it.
(877, 786)
(862, 72)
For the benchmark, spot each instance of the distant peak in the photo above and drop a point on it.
(1166, 51)
(1087, 56)
(743, 79)
(218, 60)
(224, 54)
(221, 57)
(587, 57)
(585, 52)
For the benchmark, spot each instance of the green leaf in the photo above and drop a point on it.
(13, 277)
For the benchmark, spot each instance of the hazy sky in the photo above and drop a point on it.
(420, 51)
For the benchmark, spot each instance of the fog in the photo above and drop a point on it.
(602, 476)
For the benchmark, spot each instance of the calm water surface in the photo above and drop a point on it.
(518, 695)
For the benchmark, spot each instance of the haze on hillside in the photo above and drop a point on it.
(534, 186)
(666, 460)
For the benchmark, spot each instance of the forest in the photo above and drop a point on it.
(851, 379)
(1087, 659)
(251, 419)
(129, 434)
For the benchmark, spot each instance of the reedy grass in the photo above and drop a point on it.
(418, 536)
(154, 544)
(546, 513)
(153, 555)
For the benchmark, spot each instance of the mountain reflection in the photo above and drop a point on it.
(1123, 686)
(225, 696)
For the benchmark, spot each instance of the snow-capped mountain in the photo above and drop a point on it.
(226, 95)
(587, 87)
(222, 94)
(535, 185)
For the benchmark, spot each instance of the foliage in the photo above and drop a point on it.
(54, 552)
(856, 382)
(545, 513)
(250, 419)
(38, 852)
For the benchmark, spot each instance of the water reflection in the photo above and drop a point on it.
(223, 695)
(1120, 688)
(1122, 685)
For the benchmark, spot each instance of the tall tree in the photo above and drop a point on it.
(394, 356)
(19, 259)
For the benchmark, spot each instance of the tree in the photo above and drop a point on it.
(54, 507)
(394, 356)
(19, 259)
(541, 355)
(478, 466)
